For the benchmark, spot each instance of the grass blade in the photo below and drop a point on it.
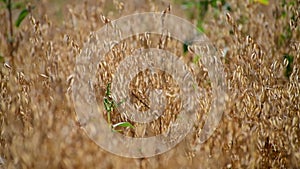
(123, 124)
(21, 17)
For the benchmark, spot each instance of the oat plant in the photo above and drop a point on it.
(24, 11)
(110, 105)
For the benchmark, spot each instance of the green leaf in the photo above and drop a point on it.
(264, 2)
(123, 124)
(4, 1)
(21, 17)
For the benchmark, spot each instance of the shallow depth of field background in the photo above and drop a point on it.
(259, 42)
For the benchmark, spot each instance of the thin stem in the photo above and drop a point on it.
(145, 104)
(108, 117)
(11, 32)
(10, 19)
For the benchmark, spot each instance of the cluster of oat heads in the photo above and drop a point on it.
(262, 119)
(37, 117)
(146, 81)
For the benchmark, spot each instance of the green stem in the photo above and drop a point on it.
(108, 118)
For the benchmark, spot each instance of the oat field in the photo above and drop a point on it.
(259, 45)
